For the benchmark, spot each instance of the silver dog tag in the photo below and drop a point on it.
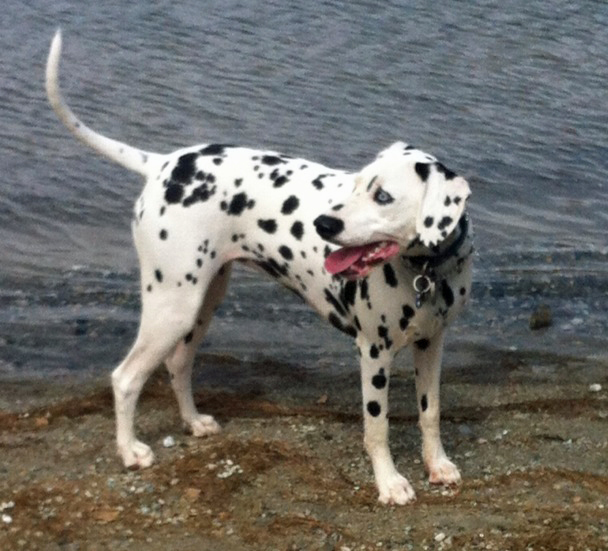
(423, 285)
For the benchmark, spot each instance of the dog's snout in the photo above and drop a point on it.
(328, 226)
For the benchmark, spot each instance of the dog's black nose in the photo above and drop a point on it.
(328, 226)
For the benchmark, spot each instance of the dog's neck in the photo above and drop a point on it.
(457, 246)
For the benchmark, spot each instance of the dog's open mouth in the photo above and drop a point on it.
(354, 262)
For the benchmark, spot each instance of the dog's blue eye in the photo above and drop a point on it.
(382, 197)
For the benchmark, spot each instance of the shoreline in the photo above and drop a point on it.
(289, 470)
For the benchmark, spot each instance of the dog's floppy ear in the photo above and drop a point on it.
(443, 203)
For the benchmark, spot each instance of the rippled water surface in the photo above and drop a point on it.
(512, 95)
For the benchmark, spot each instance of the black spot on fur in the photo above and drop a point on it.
(185, 168)
(408, 314)
(280, 181)
(364, 288)
(297, 230)
(373, 351)
(349, 292)
(158, 275)
(390, 276)
(269, 226)
(444, 222)
(214, 149)
(163, 234)
(373, 408)
(337, 323)
(199, 195)
(447, 173)
(383, 334)
(238, 204)
(272, 160)
(273, 268)
(371, 183)
(318, 181)
(174, 193)
(205, 177)
(290, 204)
(428, 221)
(334, 302)
(447, 293)
(422, 169)
(424, 404)
(422, 344)
(379, 380)
(188, 337)
(286, 252)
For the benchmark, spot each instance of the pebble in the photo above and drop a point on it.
(168, 442)
(7, 519)
(230, 468)
(5, 505)
(595, 387)
(440, 537)
(466, 431)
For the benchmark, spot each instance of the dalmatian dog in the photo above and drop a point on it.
(383, 254)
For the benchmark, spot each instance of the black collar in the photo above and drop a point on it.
(432, 261)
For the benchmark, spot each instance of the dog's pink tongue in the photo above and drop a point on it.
(342, 259)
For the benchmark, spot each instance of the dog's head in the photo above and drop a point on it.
(404, 197)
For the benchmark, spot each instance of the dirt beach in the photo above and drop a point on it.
(288, 472)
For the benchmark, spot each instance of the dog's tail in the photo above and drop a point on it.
(130, 157)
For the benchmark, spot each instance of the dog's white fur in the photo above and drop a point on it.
(205, 206)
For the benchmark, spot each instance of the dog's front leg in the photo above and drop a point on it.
(375, 370)
(427, 363)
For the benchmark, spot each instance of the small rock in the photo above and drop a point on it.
(192, 494)
(541, 317)
(466, 431)
(7, 519)
(41, 422)
(440, 537)
(595, 387)
(168, 441)
(106, 515)
(5, 505)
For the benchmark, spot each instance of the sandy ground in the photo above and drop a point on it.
(288, 471)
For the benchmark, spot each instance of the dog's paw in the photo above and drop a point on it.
(137, 455)
(203, 425)
(395, 490)
(443, 471)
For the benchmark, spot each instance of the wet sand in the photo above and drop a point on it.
(529, 433)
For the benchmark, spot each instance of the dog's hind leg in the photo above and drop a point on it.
(179, 362)
(168, 315)
(427, 363)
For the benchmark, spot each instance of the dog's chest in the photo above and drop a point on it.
(385, 309)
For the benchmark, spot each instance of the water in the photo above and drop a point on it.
(512, 95)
